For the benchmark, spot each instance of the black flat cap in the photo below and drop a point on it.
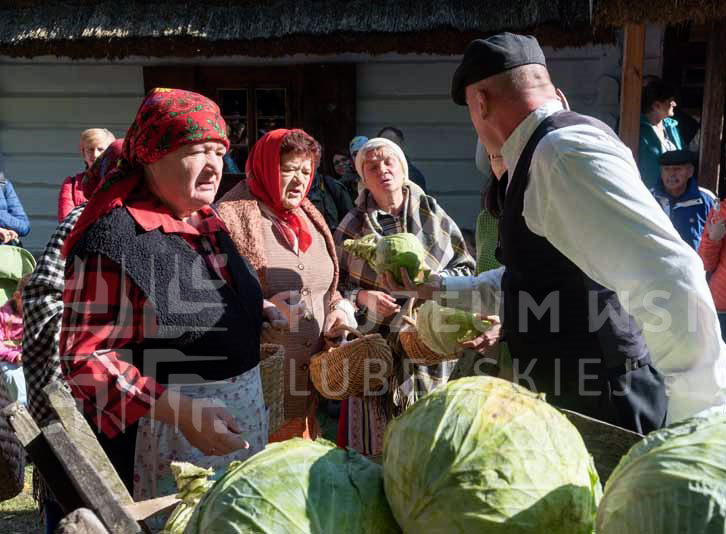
(486, 57)
(677, 157)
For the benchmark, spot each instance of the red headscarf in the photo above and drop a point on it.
(265, 182)
(166, 120)
(104, 164)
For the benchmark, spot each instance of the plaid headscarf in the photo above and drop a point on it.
(167, 120)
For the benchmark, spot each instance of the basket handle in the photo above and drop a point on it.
(344, 328)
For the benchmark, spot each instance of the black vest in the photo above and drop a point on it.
(206, 329)
(577, 319)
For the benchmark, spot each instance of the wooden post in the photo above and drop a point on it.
(631, 86)
(713, 108)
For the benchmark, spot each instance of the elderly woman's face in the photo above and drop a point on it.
(91, 150)
(382, 172)
(187, 179)
(296, 171)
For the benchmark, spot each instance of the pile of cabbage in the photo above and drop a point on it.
(388, 254)
(477, 455)
(443, 329)
(672, 482)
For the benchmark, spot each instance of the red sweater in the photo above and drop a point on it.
(713, 254)
(70, 196)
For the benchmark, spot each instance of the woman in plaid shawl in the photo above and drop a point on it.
(389, 204)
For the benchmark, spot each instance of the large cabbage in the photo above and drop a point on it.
(483, 455)
(441, 329)
(390, 253)
(297, 486)
(672, 482)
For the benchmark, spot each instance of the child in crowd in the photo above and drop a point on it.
(11, 336)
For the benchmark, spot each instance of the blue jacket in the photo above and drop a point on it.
(650, 149)
(12, 214)
(689, 212)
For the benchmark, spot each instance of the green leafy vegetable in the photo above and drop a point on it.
(390, 253)
(672, 482)
(298, 486)
(192, 483)
(483, 455)
(441, 329)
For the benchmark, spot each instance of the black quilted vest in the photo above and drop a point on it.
(207, 330)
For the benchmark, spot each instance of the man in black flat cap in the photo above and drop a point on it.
(582, 241)
(677, 192)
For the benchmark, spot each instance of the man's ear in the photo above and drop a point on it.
(482, 102)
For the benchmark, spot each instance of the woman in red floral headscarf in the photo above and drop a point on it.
(162, 320)
(288, 243)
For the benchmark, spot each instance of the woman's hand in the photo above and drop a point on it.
(332, 327)
(273, 317)
(489, 338)
(7, 235)
(209, 428)
(716, 227)
(381, 304)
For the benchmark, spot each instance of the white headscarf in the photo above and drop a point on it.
(380, 143)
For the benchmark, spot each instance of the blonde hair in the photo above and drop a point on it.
(96, 134)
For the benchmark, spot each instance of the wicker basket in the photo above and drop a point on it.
(414, 348)
(272, 372)
(342, 372)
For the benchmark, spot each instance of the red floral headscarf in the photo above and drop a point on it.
(265, 182)
(167, 120)
(104, 164)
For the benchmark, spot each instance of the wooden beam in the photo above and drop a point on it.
(89, 483)
(712, 115)
(83, 437)
(44, 459)
(631, 86)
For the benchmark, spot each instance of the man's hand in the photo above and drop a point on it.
(423, 291)
(489, 338)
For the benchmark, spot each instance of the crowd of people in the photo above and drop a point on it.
(152, 297)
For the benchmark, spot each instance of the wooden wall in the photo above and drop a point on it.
(46, 103)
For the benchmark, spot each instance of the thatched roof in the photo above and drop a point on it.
(85, 28)
(619, 12)
(88, 28)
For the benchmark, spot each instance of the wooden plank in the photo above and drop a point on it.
(84, 438)
(712, 116)
(607, 443)
(72, 79)
(89, 483)
(81, 521)
(406, 111)
(51, 140)
(631, 86)
(95, 111)
(43, 457)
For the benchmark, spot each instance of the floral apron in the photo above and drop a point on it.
(158, 444)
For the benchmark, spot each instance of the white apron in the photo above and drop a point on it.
(158, 444)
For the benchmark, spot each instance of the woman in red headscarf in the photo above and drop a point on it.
(162, 319)
(288, 243)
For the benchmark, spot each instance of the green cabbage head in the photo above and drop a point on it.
(297, 486)
(672, 482)
(441, 329)
(481, 454)
(390, 253)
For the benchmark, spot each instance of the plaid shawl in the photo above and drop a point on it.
(445, 247)
(366, 417)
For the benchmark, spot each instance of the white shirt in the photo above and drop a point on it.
(612, 228)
